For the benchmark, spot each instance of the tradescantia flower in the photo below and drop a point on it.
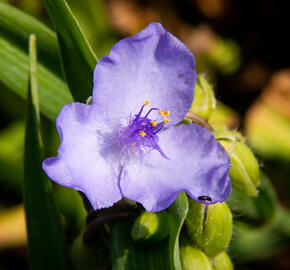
(127, 144)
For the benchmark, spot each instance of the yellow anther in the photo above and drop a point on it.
(146, 102)
(167, 113)
(163, 113)
(153, 123)
(166, 120)
(142, 133)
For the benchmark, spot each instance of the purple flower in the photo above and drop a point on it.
(127, 144)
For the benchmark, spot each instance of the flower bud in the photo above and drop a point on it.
(193, 258)
(222, 262)
(210, 226)
(244, 173)
(224, 116)
(224, 134)
(204, 101)
(150, 226)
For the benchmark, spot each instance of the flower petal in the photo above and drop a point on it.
(152, 65)
(80, 164)
(197, 164)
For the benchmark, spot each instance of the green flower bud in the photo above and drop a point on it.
(224, 134)
(150, 226)
(193, 258)
(210, 226)
(222, 262)
(223, 115)
(204, 100)
(244, 173)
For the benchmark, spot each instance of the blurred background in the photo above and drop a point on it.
(242, 49)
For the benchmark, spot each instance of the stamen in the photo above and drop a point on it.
(146, 102)
(166, 120)
(162, 112)
(142, 133)
(152, 109)
(153, 123)
(167, 113)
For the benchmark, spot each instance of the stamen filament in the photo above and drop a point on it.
(152, 109)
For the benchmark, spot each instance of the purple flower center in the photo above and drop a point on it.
(141, 133)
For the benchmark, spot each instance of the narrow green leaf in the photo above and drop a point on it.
(164, 254)
(46, 245)
(178, 212)
(16, 27)
(77, 57)
(14, 65)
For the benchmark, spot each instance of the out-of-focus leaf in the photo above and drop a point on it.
(14, 65)
(46, 245)
(94, 20)
(77, 57)
(256, 210)
(268, 132)
(11, 145)
(164, 254)
(252, 243)
(16, 26)
(12, 227)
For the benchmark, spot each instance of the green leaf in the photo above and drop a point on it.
(77, 57)
(178, 212)
(46, 245)
(14, 65)
(164, 254)
(16, 27)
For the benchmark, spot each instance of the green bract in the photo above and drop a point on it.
(244, 173)
(204, 99)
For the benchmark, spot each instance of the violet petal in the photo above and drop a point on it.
(197, 164)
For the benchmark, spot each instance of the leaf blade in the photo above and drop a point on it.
(16, 26)
(78, 59)
(46, 246)
(14, 65)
